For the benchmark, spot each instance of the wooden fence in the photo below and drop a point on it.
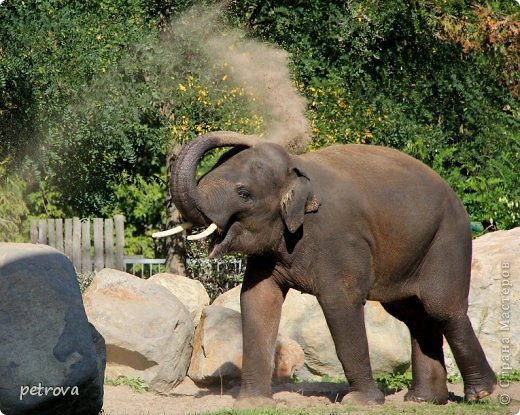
(74, 238)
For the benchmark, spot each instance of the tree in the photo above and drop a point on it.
(93, 94)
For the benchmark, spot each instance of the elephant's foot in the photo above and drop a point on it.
(474, 392)
(369, 397)
(419, 395)
(249, 402)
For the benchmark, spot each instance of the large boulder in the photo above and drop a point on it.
(191, 292)
(303, 321)
(52, 360)
(148, 331)
(217, 350)
(494, 299)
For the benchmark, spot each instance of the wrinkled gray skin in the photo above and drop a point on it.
(347, 224)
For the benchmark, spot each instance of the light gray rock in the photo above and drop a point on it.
(148, 331)
(52, 361)
(217, 350)
(191, 292)
(494, 299)
(303, 321)
(229, 299)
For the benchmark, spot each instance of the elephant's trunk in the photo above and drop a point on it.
(183, 184)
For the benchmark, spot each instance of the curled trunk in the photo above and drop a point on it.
(183, 184)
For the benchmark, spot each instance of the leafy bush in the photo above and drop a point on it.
(217, 276)
(93, 95)
(396, 381)
(13, 209)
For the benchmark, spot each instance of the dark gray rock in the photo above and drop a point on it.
(51, 359)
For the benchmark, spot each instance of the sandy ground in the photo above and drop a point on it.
(121, 400)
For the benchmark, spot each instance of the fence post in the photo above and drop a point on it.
(68, 239)
(86, 262)
(98, 244)
(51, 232)
(34, 232)
(59, 235)
(119, 222)
(109, 243)
(42, 232)
(76, 243)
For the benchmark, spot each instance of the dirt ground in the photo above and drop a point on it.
(121, 400)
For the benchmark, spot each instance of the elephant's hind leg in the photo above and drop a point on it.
(428, 369)
(444, 287)
(479, 379)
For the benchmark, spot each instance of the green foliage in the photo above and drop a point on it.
(142, 204)
(217, 276)
(13, 209)
(136, 384)
(50, 49)
(396, 381)
(93, 95)
(512, 376)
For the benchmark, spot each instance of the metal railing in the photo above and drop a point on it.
(143, 267)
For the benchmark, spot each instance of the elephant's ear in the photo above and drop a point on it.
(298, 201)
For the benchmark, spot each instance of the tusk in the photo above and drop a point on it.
(180, 228)
(207, 232)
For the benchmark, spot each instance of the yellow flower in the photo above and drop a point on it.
(343, 105)
(182, 87)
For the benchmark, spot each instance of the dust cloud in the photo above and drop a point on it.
(259, 68)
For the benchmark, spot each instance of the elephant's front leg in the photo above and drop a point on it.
(346, 322)
(261, 302)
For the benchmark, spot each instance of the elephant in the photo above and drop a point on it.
(346, 223)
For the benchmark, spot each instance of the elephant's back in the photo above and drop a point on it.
(365, 157)
(370, 165)
(383, 183)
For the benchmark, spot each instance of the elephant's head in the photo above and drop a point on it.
(249, 200)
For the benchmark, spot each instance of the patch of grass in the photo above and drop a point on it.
(326, 378)
(512, 376)
(489, 406)
(455, 378)
(136, 384)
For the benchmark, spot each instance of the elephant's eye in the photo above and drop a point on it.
(243, 193)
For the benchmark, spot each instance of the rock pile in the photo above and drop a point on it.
(163, 329)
